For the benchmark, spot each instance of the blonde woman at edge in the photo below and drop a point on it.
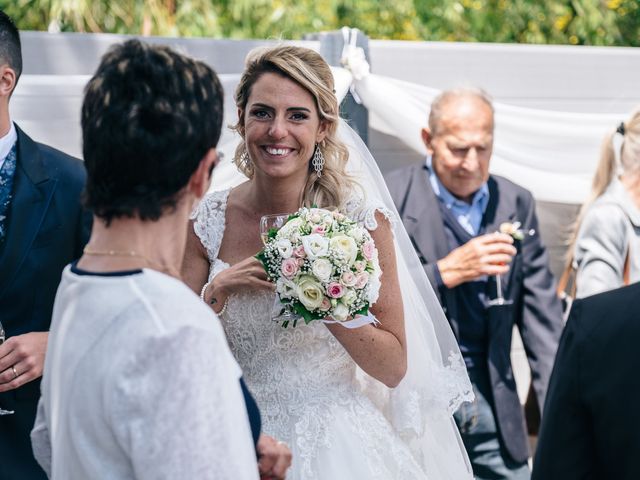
(606, 247)
(307, 380)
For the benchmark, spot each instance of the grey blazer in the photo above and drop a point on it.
(536, 309)
(610, 229)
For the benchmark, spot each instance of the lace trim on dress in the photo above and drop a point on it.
(358, 210)
(209, 225)
(448, 390)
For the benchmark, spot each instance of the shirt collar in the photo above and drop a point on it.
(7, 142)
(480, 198)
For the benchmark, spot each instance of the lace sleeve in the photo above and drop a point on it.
(363, 212)
(209, 222)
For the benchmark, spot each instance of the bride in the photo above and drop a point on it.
(372, 402)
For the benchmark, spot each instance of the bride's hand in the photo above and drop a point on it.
(249, 274)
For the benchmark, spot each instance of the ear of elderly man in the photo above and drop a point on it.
(452, 208)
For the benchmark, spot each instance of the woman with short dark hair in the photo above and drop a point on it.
(139, 381)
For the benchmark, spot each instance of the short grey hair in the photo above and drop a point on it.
(439, 103)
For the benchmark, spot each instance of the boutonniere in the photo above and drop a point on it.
(514, 230)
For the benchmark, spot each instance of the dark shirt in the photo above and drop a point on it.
(252, 410)
(7, 172)
(471, 298)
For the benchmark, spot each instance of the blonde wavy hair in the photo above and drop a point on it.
(309, 70)
(612, 162)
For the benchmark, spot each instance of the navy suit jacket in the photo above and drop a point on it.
(536, 309)
(47, 229)
(591, 427)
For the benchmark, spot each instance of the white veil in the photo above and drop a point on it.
(436, 383)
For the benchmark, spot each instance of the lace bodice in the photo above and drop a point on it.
(300, 376)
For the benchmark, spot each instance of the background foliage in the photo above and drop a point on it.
(577, 22)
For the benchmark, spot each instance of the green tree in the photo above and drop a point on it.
(578, 22)
(288, 19)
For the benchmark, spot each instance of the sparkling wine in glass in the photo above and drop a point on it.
(269, 222)
(2, 339)
(500, 300)
(281, 312)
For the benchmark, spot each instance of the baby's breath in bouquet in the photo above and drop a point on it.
(325, 267)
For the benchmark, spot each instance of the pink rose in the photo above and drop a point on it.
(300, 261)
(368, 249)
(348, 279)
(325, 306)
(289, 267)
(360, 265)
(361, 280)
(299, 252)
(335, 290)
(319, 229)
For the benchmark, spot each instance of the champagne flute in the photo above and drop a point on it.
(281, 312)
(2, 339)
(270, 222)
(500, 300)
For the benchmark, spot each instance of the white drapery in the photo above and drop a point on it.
(553, 154)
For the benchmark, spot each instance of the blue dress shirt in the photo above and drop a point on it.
(469, 216)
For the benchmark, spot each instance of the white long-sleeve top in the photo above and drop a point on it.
(139, 383)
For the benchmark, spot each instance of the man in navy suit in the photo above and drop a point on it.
(452, 209)
(42, 228)
(590, 428)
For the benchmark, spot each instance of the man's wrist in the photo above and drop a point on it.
(450, 277)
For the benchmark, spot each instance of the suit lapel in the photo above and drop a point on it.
(429, 237)
(32, 193)
(427, 234)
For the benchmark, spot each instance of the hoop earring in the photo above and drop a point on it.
(318, 160)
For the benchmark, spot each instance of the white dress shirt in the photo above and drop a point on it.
(7, 142)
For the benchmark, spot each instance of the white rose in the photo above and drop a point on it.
(345, 247)
(349, 297)
(310, 292)
(290, 228)
(315, 215)
(286, 288)
(315, 245)
(322, 269)
(373, 289)
(356, 233)
(284, 247)
(340, 312)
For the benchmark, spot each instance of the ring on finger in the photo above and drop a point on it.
(15, 373)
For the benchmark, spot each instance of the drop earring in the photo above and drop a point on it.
(318, 160)
(244, 159)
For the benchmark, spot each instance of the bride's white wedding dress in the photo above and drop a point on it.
(312, 395)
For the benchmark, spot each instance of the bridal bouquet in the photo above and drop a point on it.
(325, 266)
